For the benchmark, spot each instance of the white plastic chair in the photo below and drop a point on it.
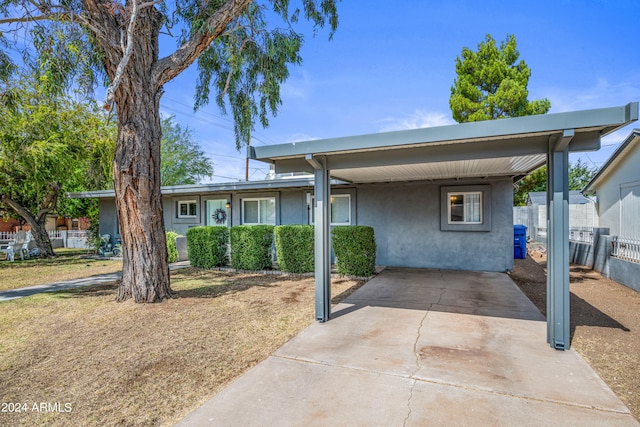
(24, 248)
(18, 242)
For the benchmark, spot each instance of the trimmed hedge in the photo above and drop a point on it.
(207, 246)
(294, 248)
(355, 250)
(172, 250)
(251, 247)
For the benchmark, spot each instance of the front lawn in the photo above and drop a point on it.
(68, 264)
(95, 362)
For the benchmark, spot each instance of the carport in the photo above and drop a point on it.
(482, 150)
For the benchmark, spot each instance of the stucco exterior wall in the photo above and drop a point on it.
(608, 192)
(625, 272)
(406, 218)
(108, 217)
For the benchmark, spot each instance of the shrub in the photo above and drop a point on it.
(251, 247)
(355, 250)
(207, 246)
(172, 250)
(294, 248)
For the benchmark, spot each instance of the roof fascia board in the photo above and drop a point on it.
(208, 188)
(433, 154)
(632, 139)
(607, 119)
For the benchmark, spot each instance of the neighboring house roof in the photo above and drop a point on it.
(610, 165)
(540, 198)
(275, 182)
(508, 147)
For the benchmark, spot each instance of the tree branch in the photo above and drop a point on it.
(111, 90)
(29, 18)
(18, 208)
(49, 202)
(170, 66)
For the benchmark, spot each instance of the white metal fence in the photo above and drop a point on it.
(581, 217)
(626, 249)
(576, 234)
(70, 238)
(541, 234)
(581, 235)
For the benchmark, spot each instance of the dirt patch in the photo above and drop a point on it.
(604, 318)
(94, 362)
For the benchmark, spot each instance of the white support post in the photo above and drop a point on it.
(558, 333)
(322, 206)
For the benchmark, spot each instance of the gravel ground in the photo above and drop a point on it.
(605, 322)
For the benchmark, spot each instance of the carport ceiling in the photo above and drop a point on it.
(508, 147)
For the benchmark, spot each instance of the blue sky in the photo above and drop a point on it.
(391, 65)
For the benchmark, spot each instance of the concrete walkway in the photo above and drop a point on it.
(421, 347)
(98, 279)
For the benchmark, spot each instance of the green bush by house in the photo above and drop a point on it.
(172, 250)
(355, 249)
(294, 248)
(251, 247)
(207, 246)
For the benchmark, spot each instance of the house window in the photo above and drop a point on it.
(187, 209)
(465, 207)
(259, 211)
(340, 209)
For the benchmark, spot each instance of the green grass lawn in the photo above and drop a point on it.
(68, 264)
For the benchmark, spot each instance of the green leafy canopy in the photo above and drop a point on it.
(182, 161)
(492, 84)
(242, 68)
(51, 142)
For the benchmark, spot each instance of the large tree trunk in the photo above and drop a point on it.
(42, 240)
(136, 172)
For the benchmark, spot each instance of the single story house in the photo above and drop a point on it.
(540, 198)
(617, 189)
(436, 197)
(429, 236)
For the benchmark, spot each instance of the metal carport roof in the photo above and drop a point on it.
(511, 147)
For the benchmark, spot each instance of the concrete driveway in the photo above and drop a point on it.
(421, 347)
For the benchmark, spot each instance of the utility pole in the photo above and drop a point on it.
(246, 165)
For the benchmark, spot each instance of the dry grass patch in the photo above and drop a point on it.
(605, 323)
(67, 265)
(128, 364)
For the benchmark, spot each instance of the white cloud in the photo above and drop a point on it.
(600, 94)
(299, 137)
(297, 86)
(418, 119)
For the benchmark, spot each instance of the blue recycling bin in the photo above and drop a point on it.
(519, 241)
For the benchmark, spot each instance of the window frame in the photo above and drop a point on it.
(180, 203)
(258, 199)
(312, 210)
(485, 208)
(463, 194)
